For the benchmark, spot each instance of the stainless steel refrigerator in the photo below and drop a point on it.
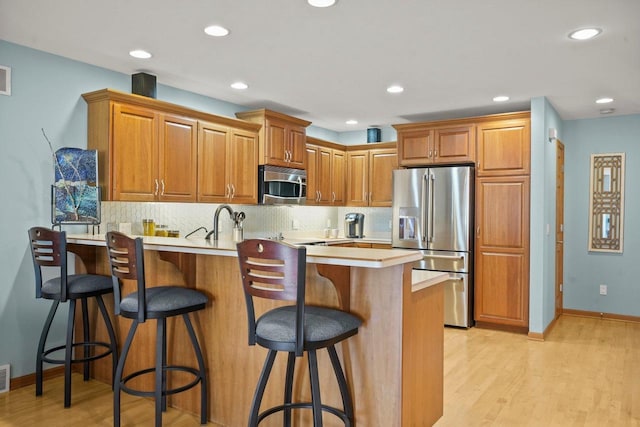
(433, 212)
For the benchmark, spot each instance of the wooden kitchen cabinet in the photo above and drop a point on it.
(282, 138)
(504, 147)
(326, 165)
(148, 149)
(502, 251)
(370, 176)
(502, 222)
(427, 144)
(227, 164)
(160, 148)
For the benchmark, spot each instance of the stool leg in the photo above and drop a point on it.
(160, 376)
(203, 373)
(347, 403)
(117, 380)
(41, 344)
(262, 383)
(68, 353)
(316, 402)
(112, 338)
(86, 351)
(288, 387)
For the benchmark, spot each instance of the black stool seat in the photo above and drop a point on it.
(78, 286)
(276, 270)
(159, 303)
(164, 301)
(323, 327)
(49, 249)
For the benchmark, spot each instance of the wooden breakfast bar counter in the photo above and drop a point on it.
(394, 364)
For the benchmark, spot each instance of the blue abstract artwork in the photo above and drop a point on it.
(75, 194)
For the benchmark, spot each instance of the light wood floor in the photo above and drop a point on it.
(587, 373)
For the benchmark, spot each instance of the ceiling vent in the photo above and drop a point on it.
(5, 375)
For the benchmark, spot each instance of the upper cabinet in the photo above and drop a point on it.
(504, 147)
(424, 144)
(227, 164)
(370, 174)
(326, 168)
(282, 138)
(148, 150)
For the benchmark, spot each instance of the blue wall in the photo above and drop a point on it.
(46, 93)
(585, 271)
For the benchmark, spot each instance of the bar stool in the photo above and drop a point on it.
(276, 270)
(127, 262)
(49, 249)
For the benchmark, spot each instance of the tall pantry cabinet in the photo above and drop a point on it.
(502, 222)
(499, 146)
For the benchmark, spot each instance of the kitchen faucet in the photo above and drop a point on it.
(215, 221)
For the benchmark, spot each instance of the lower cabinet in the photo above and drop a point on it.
(502, 251)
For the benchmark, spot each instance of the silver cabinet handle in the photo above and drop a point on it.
(227, 192)
(162, 182)
(430, 153)
(370, 198)
(319, 196)
(155, 193)
(233, 191)
(435, 153)
(333, 196)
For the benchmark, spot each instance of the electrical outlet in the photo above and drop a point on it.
(603, 289)
(295, 224)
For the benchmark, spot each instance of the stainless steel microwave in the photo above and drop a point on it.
(281, 186)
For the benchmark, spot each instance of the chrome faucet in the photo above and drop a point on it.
(215, 221)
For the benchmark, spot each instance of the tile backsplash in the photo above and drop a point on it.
(261, 220)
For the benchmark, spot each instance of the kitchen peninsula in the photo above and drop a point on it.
(394, 364)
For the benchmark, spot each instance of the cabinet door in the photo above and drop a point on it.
(382, 162)
(415, 148)
(178, 159)
(338, 173)
(503, 148)
(502, 251)
(134, 154)
(324, 176)
(312, 174)
(357, 178)
(243, 177)
(297, 147)
(454, 145)
(276, 140)
(213, 163)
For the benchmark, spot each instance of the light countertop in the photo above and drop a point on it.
(332, 255)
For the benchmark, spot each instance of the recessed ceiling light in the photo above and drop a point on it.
(395, 89)
(216, 31)
(321, 3)
(584, 33)
(140, 54)
(239, 85)
(351, 122)
(607, 110)
(500, 98)
(604, 100)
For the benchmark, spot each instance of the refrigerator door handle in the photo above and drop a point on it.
(450, 257)
(431, 207)
(423, 206)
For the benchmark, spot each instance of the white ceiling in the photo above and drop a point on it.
(333, 64)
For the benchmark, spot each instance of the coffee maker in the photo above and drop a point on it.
(354, 225)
